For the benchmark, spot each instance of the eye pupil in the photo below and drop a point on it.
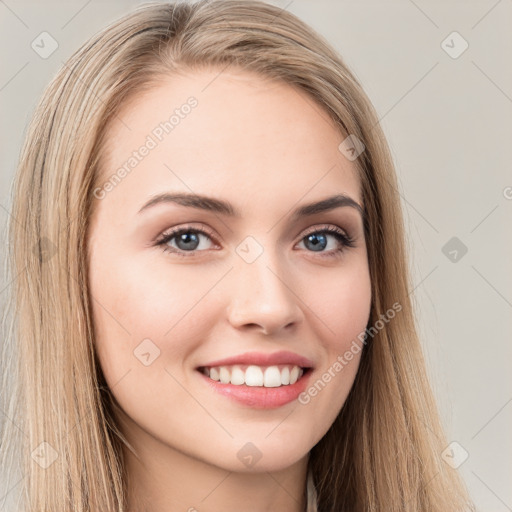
(314, 239)
(188, 238)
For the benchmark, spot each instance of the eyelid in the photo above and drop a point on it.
(186, 227)
(168, 235)
(325, 227)
(209, 232)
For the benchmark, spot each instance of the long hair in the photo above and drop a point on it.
(383, 451)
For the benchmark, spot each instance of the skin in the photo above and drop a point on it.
(267, 148)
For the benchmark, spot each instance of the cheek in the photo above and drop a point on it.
(147, 324)
(134, 302)
(344, 310)
(342, 301)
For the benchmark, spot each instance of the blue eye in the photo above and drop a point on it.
(188, 240)
(318, 241)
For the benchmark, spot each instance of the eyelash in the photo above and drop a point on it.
(345, 240)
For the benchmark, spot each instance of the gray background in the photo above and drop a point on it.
(448, 121)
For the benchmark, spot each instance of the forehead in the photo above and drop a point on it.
(233, 134)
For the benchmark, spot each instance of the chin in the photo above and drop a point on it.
(264, 455)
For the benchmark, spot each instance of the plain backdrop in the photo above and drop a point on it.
(447, 112)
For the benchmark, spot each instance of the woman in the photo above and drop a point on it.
(212, 295)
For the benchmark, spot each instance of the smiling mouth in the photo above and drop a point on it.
(256, 376)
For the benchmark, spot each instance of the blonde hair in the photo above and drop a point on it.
(383, 451)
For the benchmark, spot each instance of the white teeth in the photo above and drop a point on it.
(269, 377)
(237, 376)
(224, 375)
(272, 377)
(253, 376)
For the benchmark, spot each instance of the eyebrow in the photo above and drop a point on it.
(211, 204)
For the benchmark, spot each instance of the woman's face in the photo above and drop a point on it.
(251, 290)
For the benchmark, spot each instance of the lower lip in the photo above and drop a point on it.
(259, 397)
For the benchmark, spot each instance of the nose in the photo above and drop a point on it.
(263, 297)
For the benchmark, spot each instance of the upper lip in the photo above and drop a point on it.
(262, 359)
